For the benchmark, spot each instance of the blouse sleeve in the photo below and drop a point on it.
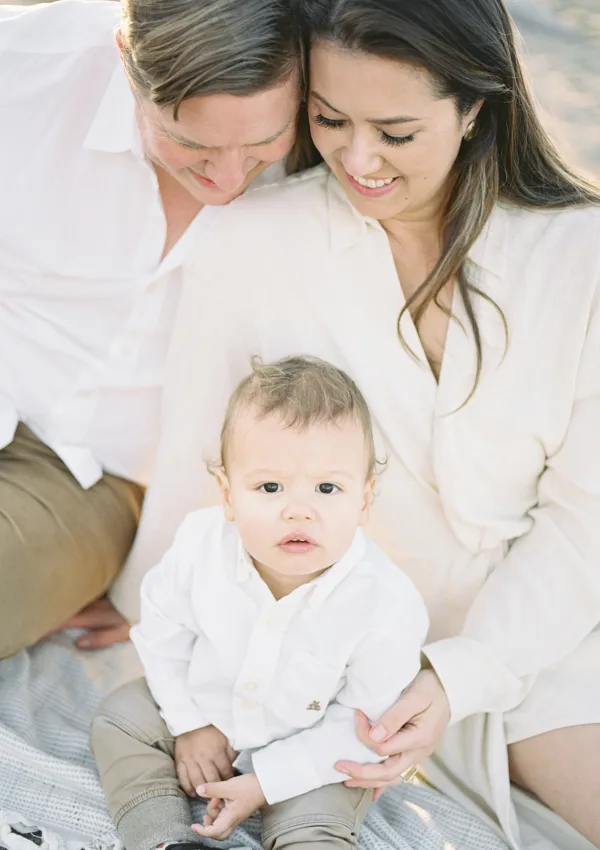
(209, 354)
(544, 598)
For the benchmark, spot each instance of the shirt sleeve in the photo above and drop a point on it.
(381, 667)
(165, 637)
(543, 599)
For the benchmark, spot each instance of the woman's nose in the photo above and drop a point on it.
(359, 158)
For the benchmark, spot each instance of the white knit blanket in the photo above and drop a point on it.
(48, 779)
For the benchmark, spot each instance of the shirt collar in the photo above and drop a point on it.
(244, 566)
(319, 588)
(322, 586)
(114, 128)
(348, 226)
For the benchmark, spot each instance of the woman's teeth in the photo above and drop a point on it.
(373, 184)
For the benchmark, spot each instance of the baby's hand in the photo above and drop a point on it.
(230, 804)
(203, 755)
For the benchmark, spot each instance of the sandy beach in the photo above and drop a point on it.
(562, 51)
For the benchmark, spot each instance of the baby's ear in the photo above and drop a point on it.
(225, 488)
(369, 496)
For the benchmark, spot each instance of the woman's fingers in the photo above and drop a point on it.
(419, 736)
(416, 721)
(377, 773)
(393, 772)
(411, 704)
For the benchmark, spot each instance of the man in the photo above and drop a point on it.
(124, 129)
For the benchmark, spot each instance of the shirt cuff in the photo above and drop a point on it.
(474, 678)
(282, 782)
(183, 720)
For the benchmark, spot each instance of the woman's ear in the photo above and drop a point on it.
(225, 488)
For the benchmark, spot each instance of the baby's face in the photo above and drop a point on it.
(297, 496)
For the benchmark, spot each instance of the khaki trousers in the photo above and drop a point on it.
(135, 755)
(60, 546)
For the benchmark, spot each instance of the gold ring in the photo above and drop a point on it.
(410, 774)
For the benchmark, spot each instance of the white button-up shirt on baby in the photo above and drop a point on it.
(280, 678)
(86, 302)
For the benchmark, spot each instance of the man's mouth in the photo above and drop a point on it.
(203, 181)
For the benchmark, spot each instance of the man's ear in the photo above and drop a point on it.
(119, 39)
(369, 496)
(225, 488)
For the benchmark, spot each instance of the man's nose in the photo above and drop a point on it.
(229, 170)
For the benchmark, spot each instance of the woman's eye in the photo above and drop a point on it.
(326, 488)
(395, 141)
(330, 123)
(270, 487)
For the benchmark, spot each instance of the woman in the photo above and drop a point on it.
(113, 152)
(449, 260)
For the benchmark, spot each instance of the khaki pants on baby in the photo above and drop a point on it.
(134, 751)
(60, 546)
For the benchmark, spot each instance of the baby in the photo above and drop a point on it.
(270, 622)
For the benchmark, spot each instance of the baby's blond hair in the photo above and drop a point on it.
(303, 391)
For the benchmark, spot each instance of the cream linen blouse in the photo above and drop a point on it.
(492, 508)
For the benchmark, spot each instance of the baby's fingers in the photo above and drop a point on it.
(184, 780)
(219, 830)
(213, 808)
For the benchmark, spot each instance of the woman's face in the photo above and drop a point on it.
(221, 142)
(383, 131)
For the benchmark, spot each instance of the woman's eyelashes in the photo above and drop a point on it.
(338, 124)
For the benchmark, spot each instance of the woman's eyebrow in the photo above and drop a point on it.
(398, 119)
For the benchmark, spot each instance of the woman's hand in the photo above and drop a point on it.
(407, 733)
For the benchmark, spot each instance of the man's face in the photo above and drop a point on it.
(221, 142)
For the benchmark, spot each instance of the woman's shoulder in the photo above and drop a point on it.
(553, 245)
(576, 222)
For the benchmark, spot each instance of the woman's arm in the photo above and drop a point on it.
(544, 597)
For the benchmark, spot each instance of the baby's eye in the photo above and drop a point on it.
(270, 487)
(326, 488)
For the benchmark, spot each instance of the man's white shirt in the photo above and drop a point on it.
(280, 678)
(86, 303)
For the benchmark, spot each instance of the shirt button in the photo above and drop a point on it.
(123, 349)
(250, 686)
(273, 622)
(247, 704)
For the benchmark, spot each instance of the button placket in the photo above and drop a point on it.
(257, 671)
